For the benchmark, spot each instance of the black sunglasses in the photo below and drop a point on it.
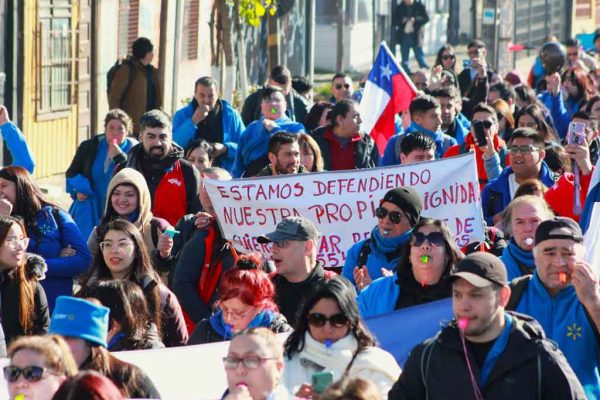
(318, 320)
(345, 86)
(395, 216)
(434, 238)
(487, 124)
(32, 373)
(448, 57)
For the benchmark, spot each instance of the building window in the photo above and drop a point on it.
(192, 8)
(56, 62)
(129, 11)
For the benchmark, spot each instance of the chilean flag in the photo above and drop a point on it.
(388, 92)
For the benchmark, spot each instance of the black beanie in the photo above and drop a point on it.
(408, 200)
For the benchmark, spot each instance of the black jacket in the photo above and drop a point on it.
(204, 333)
(10, 297)
(439, 365)
(251, 108)
(366, 154)
(464, 81)
(290, 297)
(400, 11)
(150, 340)
(85, 156)
(154, 171)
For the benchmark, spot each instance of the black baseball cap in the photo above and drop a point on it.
(558, 228)
(481, 269)
(294, 228)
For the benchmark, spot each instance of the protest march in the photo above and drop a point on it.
(425, 233)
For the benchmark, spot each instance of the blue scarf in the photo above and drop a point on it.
(497, 350)
(437, 137)
(514, 258)
(262, 319)
(389, 245)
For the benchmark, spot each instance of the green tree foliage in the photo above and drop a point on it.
(251, 11)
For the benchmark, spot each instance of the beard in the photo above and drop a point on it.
(156, 153)
(281, 169)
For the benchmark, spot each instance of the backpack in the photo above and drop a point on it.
(110, 75)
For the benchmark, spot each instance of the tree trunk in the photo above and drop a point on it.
(241, 51)
(228, 85)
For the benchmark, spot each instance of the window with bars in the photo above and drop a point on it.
(56, 60)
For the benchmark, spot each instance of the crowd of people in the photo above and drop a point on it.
(138, 262)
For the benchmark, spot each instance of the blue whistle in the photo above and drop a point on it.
(171, 232)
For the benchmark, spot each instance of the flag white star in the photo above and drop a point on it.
(386, 71)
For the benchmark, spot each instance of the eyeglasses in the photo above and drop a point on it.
(395, 216)
(339, 86)
(123, 245)
(236, 314)
(487, 124)
(318, 320)
(572, 55)
(525, 149)
(434, 239)
(14, 242)
(32, 373)
(282, 244)
(448, 57)
(249, 362)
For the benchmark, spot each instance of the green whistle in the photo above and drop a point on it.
(424, 259)
(20, 397)
(273, 110)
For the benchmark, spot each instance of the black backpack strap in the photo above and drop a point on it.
(517, 287)
(365, 250)
(592, 324)
(255, 166)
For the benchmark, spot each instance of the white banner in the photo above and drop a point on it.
(342, 204)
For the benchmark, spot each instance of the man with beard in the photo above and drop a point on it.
(173, 181)
(284, 155)
(486, 352)
(210, 118)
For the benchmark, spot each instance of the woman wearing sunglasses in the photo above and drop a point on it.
(254, 366)
(446, 58)
(398, 212)
(22, 299)
(421, 274)
(331, 337)
(38, 366)
(245, 301)
(123, 255)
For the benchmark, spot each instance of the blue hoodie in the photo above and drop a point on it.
(47, 240)
(262, 319)
(496, 194)
(565, 322)
(558, 111)
(17, 146)
(184, 130)
(442, 143)
(254, 142)
(512, 256)
(381, 248)
(379, 297)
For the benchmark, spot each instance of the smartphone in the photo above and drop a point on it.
(480, 136)
(576, 133)
(467, 63)
(321, 380)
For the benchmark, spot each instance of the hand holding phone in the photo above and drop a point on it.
(467, 63)
(480, 135)
(576, 133)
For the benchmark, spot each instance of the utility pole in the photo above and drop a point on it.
(273, 40)
(310, 40)
(339, 65)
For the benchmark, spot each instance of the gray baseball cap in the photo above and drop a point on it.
(293, 228)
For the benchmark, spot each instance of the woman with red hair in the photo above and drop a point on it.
(245, 301)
